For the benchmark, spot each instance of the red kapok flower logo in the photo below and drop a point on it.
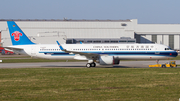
(16, 35)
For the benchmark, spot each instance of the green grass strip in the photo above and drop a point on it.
(94, 84)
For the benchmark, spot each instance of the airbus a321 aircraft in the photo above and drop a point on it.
(104, 54)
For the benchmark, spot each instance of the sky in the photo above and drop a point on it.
(146, 11)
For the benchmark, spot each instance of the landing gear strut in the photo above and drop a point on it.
(89, 65)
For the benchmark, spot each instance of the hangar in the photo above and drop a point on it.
(93, 31)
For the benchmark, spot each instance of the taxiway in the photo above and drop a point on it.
(123, 64)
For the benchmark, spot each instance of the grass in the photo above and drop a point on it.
(95, 84)
(176, 58)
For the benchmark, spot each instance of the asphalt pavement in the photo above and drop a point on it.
(123, 64)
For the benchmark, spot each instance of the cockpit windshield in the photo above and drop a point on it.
(168, 49)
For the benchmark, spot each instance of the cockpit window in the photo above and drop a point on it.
(168, 49)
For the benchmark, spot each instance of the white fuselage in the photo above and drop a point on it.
(119, 51)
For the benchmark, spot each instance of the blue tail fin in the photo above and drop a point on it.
(17, 35)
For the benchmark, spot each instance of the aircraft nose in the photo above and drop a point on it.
(174, 54)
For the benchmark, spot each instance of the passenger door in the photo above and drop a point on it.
(33, 51)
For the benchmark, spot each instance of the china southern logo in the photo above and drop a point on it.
(16, 35)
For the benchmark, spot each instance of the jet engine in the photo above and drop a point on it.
(108, 60)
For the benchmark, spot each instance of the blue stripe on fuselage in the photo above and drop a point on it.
(120, 53)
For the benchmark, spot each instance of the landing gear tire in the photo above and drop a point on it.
(88, 65)
(163, 66)
(93, 65)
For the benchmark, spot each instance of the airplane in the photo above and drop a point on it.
(104, 54)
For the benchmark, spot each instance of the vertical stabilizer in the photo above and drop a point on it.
(17, 35)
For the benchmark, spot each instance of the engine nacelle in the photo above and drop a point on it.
(108, 60)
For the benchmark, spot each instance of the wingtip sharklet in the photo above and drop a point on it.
(60, 45)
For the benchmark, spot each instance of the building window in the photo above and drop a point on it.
(122, 41)
(69, 41)
(171, 41)
(131, 41)
(138, 38)
(89, 41)
(123, 24)
(96, 41)
(114, 41)
(154, 38)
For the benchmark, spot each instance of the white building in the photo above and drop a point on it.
(48, 31)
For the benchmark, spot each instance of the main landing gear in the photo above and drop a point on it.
(89, 65)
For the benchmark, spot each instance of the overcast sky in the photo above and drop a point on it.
(146, 11)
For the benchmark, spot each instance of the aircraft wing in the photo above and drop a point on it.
(88, 55)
